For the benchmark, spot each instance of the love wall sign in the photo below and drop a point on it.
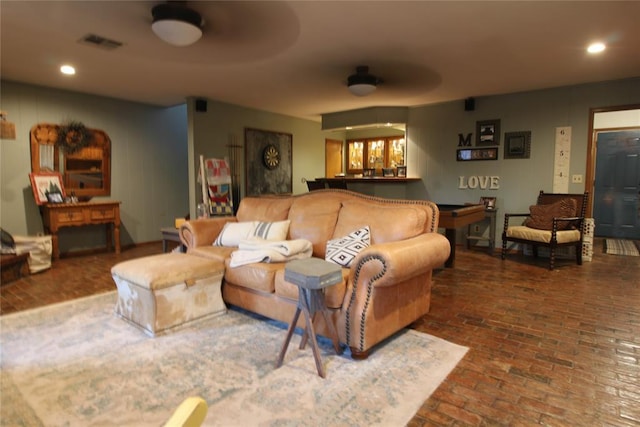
(482, 182)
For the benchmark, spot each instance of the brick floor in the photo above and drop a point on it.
(557, 348)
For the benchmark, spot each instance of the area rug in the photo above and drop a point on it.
(621, 247)
(77, 364)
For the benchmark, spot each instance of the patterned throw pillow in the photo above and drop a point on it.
(234, 232)
(343, 250)
(541, 216)
(272, 230)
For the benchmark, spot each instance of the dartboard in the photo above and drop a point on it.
(271, 156)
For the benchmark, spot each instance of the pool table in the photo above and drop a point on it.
(453, 217)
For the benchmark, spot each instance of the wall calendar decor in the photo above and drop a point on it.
(268, 162)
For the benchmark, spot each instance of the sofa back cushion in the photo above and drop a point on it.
(387, 222)
(265, 208)
(314, 218)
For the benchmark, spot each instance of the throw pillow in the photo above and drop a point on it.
(272, 230)
(541, 216)
(343, 250)
(233, 232)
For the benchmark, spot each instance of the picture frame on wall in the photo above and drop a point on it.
(517, 145)
(487, 133)
(268, 156)
(468, 154)
(47, 187)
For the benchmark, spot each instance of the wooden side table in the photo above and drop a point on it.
(171, 234)
(57, 216)
(312, 276)
(491, 239)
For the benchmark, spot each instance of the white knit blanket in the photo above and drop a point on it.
(261, 250)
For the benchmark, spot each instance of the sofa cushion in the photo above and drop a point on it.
(343, 250)
(387, 223)
(217, 253)
(277, 230)
(265, 208)
(258, 276)
(233, 232)
(313, 219)
(333, 295)
(541, 216)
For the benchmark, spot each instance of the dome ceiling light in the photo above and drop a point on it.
(362, 83)
(176, 24)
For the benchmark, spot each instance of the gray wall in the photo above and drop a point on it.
(224, 124)
(148, 162)
(155, 151)
(432, 138)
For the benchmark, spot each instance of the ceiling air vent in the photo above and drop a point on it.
(101, 42)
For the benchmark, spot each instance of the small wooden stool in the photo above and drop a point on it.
(312, 276)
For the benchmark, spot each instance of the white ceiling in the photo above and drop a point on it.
(294, 57)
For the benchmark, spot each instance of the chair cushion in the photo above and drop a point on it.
(543, 236)
(541, 216)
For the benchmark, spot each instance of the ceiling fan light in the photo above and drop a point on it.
(362, 89)
(176, 25)
(362, 83)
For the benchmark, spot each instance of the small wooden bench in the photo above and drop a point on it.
(14, 267)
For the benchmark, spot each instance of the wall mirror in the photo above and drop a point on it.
(85, 172)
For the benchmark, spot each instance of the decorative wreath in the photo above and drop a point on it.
(73, 136)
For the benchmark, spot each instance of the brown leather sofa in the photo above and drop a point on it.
(388, 285)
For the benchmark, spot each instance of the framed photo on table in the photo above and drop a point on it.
(47, 187)
(488, 202)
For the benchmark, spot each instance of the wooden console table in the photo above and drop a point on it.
(57, 216)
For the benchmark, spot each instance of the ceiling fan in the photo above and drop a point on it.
(176, 24)
(362, 83)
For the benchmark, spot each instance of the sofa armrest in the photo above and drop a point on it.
(377, 304)
(394, 262)
(203, 231)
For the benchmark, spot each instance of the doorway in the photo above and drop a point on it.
(617, 184)
(613, 171)
(333, 155)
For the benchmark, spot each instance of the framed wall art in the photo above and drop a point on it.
(487, 133)
(517, 145)
(467, 154)
(268, 162)
(47, 187)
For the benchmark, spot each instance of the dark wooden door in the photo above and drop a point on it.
(616, 208)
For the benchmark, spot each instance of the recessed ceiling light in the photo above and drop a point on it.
(68, 70)
(596, 47)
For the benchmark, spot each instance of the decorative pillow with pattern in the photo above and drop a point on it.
(343, 250)
(272, 230)
(233, 232)
(541, 216)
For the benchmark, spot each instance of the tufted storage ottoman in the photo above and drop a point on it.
(160, 292)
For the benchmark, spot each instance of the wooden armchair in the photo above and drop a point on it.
(556, 220)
